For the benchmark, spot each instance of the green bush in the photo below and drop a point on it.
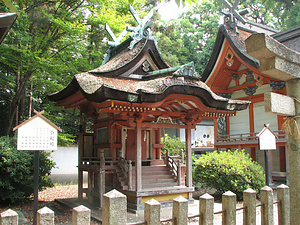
(229, 171)
(173, 144)
(16, 172)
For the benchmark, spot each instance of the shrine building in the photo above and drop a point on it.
(248, 61)
(131, 98)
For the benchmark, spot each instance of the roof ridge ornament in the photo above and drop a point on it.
(232, 16)
(142, 30)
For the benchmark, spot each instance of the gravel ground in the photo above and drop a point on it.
(47, 198)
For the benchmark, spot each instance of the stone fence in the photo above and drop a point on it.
(114, 211)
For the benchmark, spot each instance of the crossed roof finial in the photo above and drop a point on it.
(140, 31)
(233, 15)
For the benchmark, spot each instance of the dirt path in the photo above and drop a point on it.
(47, 198)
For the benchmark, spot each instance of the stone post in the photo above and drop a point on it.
(152, 212)
(81, 215)
(9, 217)
(293, 90)
(284, 205)
(45, 216)
(249, 215)
(114, 210)
(206, 210)
(180, 210)
(267, 217)
(229, 205)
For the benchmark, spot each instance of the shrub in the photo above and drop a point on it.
(173, 144)
(229, 171)
(16, 172)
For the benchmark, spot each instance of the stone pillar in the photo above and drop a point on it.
(293, 90)
(9, 217)
(45, 216)
(81, 215)
(284, 205)
(229, 205)
(138, 157)
(180, 210)
(152, 212)
(114, 210)
(267, 217)
(249, 216)
(206, 210)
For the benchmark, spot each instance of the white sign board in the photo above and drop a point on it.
(267, 140)
(37, 134)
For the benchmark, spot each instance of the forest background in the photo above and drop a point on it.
(51, 41)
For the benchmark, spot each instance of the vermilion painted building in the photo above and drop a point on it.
(131, 98)
(235, 73)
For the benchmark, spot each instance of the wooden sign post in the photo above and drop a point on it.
(35, 134)
(267, 141)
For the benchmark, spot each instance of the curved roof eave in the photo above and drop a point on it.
(232, 38)
(69, 90)
(208, 98)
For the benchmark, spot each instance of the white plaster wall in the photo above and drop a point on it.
(66, 159)
(261, 118)
(240, 124)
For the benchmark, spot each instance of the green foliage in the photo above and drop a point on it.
(16, 172)
(229, 171)
(174, 145)
(191, 37)
(280, 14)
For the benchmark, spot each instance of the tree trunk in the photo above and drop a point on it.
(20, 94)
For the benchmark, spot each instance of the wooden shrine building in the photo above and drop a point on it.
(130, 98)
(236, 71)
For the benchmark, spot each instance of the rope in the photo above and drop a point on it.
(291, 125)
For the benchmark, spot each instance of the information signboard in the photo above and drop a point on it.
(37, 135)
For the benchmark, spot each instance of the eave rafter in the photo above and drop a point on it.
(174, 106)
(73, 101)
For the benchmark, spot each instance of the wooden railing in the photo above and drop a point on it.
(126, 169)
(175, 163)
(247, 137)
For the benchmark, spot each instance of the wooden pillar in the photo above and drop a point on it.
(158, 141)
(112, 139)
(282, 149)
(252, 130)
(80, 172)
(101, 176)
(138, 156)
(188, 141)
(215, 132)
